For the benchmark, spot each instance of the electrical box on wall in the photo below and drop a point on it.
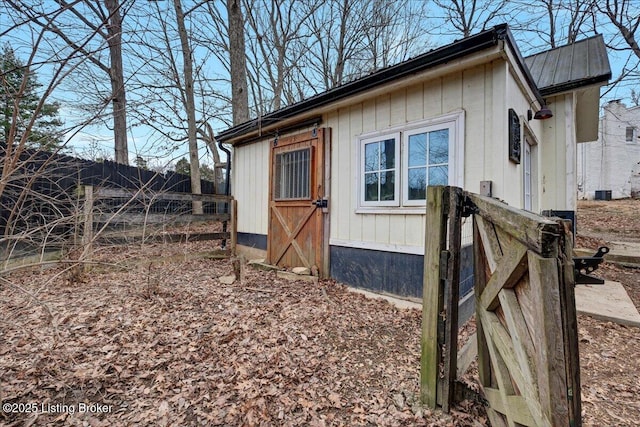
(515, 146)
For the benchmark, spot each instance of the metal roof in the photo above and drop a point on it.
(582, 63)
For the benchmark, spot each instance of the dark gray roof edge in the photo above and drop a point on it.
(575, 84)
(438, 56)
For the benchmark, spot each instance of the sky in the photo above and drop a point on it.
(97, 139)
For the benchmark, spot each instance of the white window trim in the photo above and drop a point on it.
(361, 159)
(456, 162)
(528, 137)
(450, 125)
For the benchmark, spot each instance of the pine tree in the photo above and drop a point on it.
(45, 133)
(183, 166)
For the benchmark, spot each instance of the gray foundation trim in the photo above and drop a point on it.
(396, 273)
(258, 241)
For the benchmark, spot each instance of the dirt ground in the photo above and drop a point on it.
(603, 222)
(609, 352)
(160, 341)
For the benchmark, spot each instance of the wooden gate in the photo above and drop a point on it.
(527, 342)
(298, 202)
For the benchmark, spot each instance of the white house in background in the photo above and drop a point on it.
(611, 165)
(337, 182)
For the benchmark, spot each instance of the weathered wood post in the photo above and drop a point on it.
(87, 229)
(233, 232)
(441, 294)
(432, 293)
(570, 323)
(452, 296)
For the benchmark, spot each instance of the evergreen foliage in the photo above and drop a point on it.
(15, 90)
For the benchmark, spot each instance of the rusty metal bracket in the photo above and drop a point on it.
(468, 207)
(585, 265)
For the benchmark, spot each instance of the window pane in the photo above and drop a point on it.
(378, 171)
(439, 146)
(371, 187)
(371, 156)
(418, 184)
(387, 185)
(292, 173)
(630, 133)
(438, 175)
(388, 156)
(418, 150)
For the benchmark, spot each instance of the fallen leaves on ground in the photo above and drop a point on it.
(608, 351)
(153, 337)
(608, 369)
(164, 343)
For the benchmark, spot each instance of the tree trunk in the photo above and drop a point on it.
(190, 106)
(239, 93)
(116, 74)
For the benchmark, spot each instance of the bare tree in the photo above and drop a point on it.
(625, 16)
(37, 200)
(392, 33)
(116, 76)
(190, 105)
(338, 36)
(470, 16)
(566, 19)
(106, 22)
(277, 46)
(238, 63)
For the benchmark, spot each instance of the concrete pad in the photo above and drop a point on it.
(294, 277)
(302, 271)
(623, 253)
(259, 264)
(227, 280)
(398, 302)
(631, 249)
(608, 302)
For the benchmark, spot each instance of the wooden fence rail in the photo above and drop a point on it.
(126, 213)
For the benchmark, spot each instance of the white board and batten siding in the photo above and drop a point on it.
(250, 187)
(250, 184)
(481, 95)
(558, 161)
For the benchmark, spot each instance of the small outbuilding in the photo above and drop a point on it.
(337, 182)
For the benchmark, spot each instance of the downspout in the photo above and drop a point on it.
(227, 189)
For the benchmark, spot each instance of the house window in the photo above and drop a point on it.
(292, 175)
(396, 167)
(632, 134)
(426, 155)
(379, 170)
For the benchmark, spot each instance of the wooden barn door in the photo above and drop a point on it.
(297, 202)
(527, 332)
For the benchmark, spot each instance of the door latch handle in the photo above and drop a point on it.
(321, 203)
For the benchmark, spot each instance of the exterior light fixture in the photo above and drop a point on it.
(542, 114)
